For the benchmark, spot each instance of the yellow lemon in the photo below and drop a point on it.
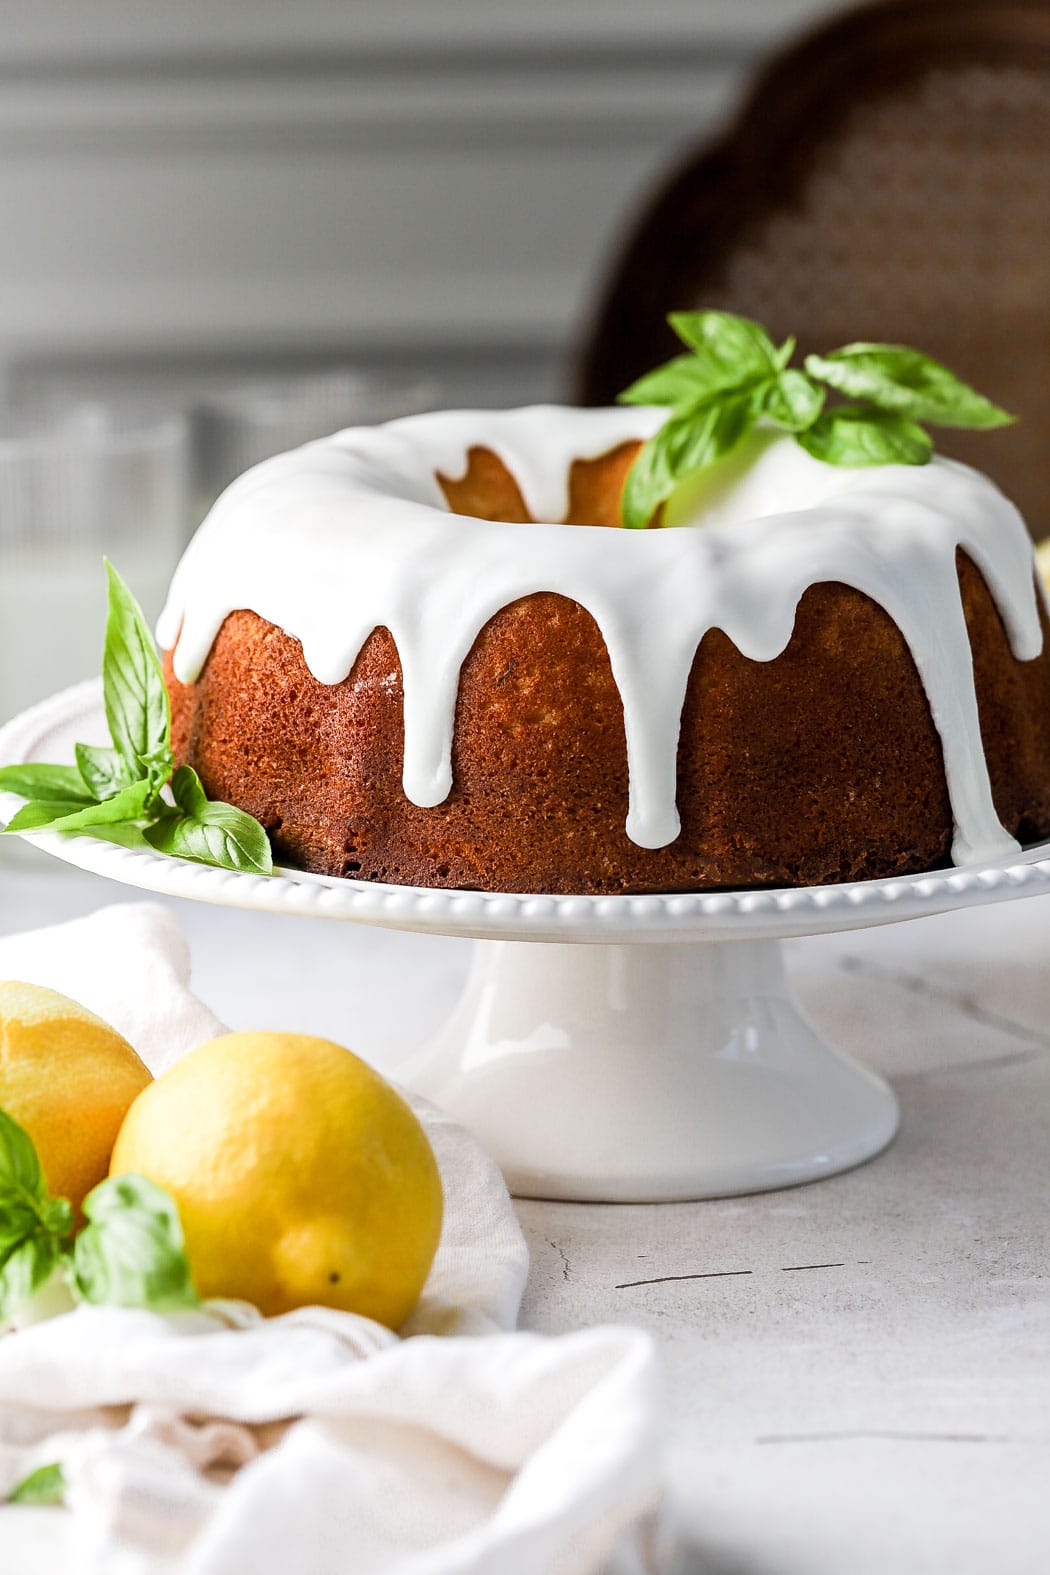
(300, 1175)
(68, 1078)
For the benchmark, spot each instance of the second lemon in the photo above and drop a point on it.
(300, 1175)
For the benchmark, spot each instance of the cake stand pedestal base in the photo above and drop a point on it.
(619, 1073)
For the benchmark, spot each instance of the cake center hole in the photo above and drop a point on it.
(767, 473)
(488, 490)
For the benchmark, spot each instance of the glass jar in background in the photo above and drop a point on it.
(77, 485)
(239, 426)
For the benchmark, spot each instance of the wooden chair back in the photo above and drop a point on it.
(888, 178)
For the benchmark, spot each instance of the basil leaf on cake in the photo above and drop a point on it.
(427, 653)
(736, 379)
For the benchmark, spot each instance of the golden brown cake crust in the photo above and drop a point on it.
(822, 765)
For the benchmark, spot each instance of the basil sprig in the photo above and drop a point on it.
(735, 376)
(117, 793)
(33, 1226)
(129, 1254)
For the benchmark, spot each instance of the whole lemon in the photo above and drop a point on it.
(68, 1078)
(301, 1177)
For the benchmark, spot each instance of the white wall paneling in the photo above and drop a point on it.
(438, 181)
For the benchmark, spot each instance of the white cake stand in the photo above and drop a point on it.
(606, 1048)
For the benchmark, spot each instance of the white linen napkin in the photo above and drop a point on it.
(217, 1442)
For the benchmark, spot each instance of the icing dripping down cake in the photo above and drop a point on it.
(418, 654)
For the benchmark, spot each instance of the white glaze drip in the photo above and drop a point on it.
(351, 533)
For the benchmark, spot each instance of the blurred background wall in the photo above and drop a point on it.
(193, 191)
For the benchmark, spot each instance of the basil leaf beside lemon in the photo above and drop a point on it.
(129, 1254)
(32, 1225)
(19, 1165)
(736, 376)
(116, 793)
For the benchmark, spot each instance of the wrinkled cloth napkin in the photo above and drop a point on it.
(217, 1442)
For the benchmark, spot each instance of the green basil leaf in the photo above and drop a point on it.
(216, 834)
(855, 435)
(56, 1214)
(20, 1217)
(56, 783)
(699, 438)
(678, 382)
(25, 1267)
(124, 833)
(136, 699)
(104, 770)
(649, 481)
(785, 351)
(22, 1214)
(896, 378)
(45, 1485)
(187, 792)
(131, 1253)
(683, 445)
(33, 1227)
(792, 401)
(128, 804)
(39, 815)
(731, 349)
(19, 1165)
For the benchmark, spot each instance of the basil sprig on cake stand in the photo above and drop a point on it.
(117, 794)
(735, 377)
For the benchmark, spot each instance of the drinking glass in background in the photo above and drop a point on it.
(249, 421)
(78, 484)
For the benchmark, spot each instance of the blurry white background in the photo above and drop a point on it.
(200, 197)
(222, 184)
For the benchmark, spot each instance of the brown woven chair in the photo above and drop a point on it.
(888, 178)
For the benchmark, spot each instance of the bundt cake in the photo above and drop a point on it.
(382, 647)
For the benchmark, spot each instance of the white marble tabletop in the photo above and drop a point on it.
(858, 1371)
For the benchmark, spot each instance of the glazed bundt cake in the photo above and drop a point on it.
(383, 648)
